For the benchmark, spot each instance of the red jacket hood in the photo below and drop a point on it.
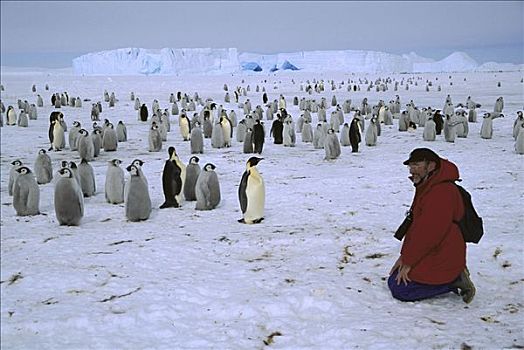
(445, 173)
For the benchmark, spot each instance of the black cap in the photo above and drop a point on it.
(421, 154)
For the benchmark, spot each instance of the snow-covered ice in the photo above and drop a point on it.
(310, 276)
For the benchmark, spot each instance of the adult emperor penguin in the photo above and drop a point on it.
(197, 139)
(121, 132)
(13, 174)
(185, 126)
(143, 113)
(110, 139)
(87, 178)
(86, 149)
(227, 130)
(173, 178)
(192, 172)
(26, 194)
(43, 167)
(207, 189)
(354, 134)
(331, 145)
(252, 193)
(10, 116)
(114, 185)
(137, 200)
(258, 137)
(69, 201)
(73, 135)
(517, 124)
(277, 129)
(58, 136)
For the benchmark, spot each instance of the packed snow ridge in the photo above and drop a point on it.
(168, 61)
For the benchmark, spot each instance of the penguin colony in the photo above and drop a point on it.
(212, 127)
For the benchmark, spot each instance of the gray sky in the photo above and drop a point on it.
(51, 33)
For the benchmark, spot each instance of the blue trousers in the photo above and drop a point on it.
(414, 291)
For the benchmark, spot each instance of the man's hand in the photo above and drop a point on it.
(398, 263)
(402, 275)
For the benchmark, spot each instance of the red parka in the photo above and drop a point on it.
(434, 246)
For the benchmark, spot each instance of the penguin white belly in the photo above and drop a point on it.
(256, 194)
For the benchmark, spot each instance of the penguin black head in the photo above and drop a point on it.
(72, 165)
(16, 162)
(133, 170)
(42, 151)
(194, 160)
(65, 172)
(171, 150)
(76, 123)
(209, 167)
(83, 132)
(64, 164)
(138, 162)
(253, 161)
(23, 170)
(115, 162)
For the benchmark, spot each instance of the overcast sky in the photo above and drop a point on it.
(51, 33)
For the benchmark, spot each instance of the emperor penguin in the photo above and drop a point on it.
(277, 129)
(450, 131)
(87, 178)
(486, 130)
(74, 170)
(307, 132)
(69, 200)
(197, 139)
(10, 116)
(137, 199)
(110, 139)
(43, 167)
(227, 130)
(73, 135)
(248, 144)
(430, 132)
(499, 105)
(319, 137)
(114, 185)
(258, 137)
(26, 194)
(143, 114)
(289, 136)
(252, 193)
(192, 172)
(519, 141)
(354, 134)
(86, 149)
(58, 136)
(138, 164)
(185, 126)
(331, 145)
(372, 133)
(173, 178)
(13, 174)
(155, 139)
(23, 120)
(403, 121)
(233, 118)
(217, 137)
(121, 132)
(241, 131)
(517, 124)
(39, 101)
(207, 126)
(207, 189)
(462, 124)
(344, 135)
(96, 138)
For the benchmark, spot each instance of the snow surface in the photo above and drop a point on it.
(311, 276)
(224, 61)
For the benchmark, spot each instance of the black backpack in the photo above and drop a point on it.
(470, 224)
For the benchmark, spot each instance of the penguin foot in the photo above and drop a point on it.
(242, 221)
(258, 221)
(169, 205)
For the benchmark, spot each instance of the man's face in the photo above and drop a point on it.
(419, 171)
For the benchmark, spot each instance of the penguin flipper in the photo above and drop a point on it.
(242, 196)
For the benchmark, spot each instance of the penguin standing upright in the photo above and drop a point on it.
(241, 131)
(289, 136)
(115, 183)
(429, 133)
(252, 193)
(344, 135)
(197, 139)
(96, 139)
(23, 120)
(86, 149)
(110, 139)
(248, 144)
(10, 116)
(439, 122)
(331, 145)
(13, 174)
(58, 136)
(121, 132)
(207, 189)
(277, 129)
(217, 137)
(43, 167)
(173, 177)
(403, 121)
(87, 178)
(227, 130)
(69, 201)
(486, 130)
(319, 137)
(372, 133)
(143, 113)
(258, 137)
(155, 139)
(192, 172)
(74, 170)
(185, 127)
(517, 124)
(519, 141)
(354, 135)
(137, 199)
(26, 194)
(73, 135)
